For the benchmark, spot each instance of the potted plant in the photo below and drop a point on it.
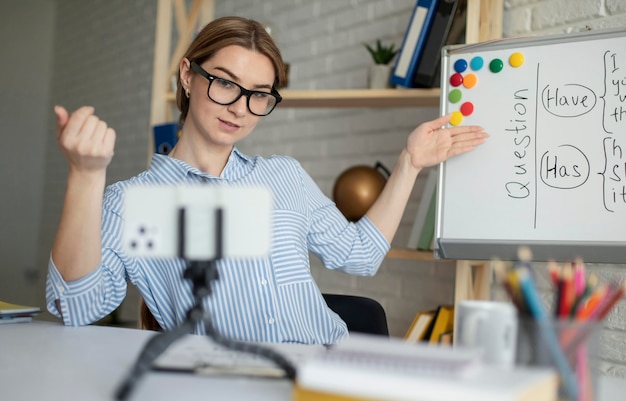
(380, 72)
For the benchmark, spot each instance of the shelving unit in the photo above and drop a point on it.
(166, 59)
(374, 98)
(362, 98)
(410, 254)
(484, 22)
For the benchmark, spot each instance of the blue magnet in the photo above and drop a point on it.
(477, 63)
(460, 65)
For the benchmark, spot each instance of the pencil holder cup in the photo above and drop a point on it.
(570, 347)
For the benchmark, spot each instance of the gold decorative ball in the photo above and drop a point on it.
(356, 189)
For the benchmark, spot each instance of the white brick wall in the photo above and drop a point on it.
(103, 55)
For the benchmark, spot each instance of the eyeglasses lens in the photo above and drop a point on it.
(226, 92)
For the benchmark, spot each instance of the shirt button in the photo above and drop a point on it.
(263, 282)
(270, 320)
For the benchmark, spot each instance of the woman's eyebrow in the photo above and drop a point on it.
(233, 77)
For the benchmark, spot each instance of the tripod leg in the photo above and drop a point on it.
(151, 351)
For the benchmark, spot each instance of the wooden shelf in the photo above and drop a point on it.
(410, 254)
(375, 98)
(361, 98)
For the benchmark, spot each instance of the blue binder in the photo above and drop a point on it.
(448, 28)
(413, 43)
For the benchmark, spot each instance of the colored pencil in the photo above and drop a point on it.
(579, 304)
(533, 302)
(583, 375)
(605, 307)
(610, 296)
(555, 272)
(567, 293)
(586, 309)
(579, 276)
(590, 287)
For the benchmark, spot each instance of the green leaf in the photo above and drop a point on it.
(381, 54)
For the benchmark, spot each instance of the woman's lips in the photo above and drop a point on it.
(228, 126)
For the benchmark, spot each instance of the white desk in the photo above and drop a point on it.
(47, 361)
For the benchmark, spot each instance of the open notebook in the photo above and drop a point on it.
(200, 355)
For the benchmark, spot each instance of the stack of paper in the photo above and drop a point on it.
(382, 369)
(13, 313)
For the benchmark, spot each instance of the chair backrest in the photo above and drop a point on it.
(361, 314)
(146, 318)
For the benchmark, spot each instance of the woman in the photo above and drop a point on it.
(227, 82)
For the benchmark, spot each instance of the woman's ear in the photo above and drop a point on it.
(185, 73)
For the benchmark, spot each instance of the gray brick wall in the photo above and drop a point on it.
(102, 56)
(25, 76)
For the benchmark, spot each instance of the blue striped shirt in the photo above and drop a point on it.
(272, 299)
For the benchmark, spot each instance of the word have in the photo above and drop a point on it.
(569, 100)
(518, 188)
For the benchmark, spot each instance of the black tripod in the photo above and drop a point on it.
(201, 274)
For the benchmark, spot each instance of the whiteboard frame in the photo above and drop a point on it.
(480, 249)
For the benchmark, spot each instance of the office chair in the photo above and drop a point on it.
(361, 314)
(146, 318)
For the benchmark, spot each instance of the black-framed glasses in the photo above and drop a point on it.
(225, 92)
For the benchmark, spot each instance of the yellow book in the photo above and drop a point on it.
(9, 309)
(420, 326)
(14, 313)
(304, 394)
(444, 322)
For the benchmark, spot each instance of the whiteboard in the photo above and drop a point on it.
(552, 174)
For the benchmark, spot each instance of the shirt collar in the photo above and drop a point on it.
(237, 166)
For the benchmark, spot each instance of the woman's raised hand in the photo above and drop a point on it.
(85, 140)
(430, 144)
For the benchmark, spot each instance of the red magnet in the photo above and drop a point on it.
(467, 108)
(456, 79)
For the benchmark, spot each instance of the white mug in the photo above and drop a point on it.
(491, 326)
